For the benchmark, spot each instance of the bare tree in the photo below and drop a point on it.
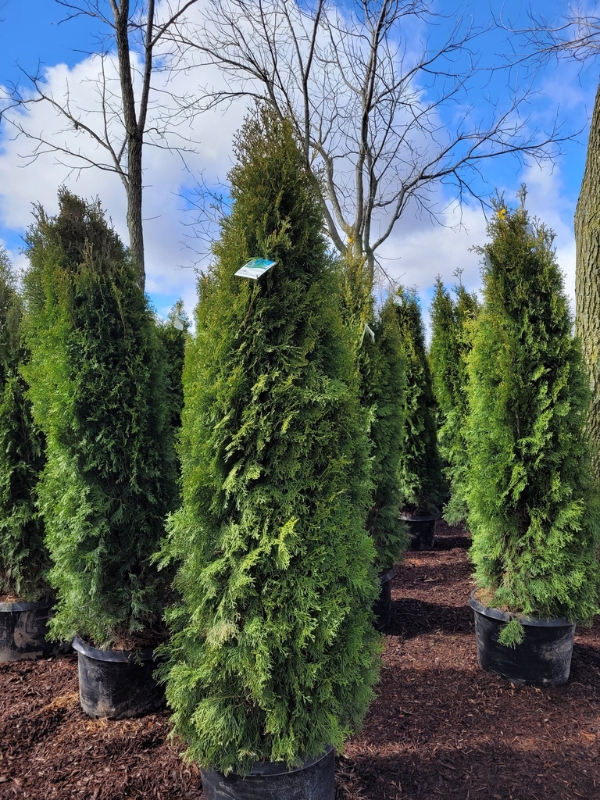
(368, 99)
(576, 36)
(127, 111)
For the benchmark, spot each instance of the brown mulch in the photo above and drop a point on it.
(440, 727)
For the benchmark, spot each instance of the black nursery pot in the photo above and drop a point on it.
(421, 530)
(382, 607)
(543, 658)
(117, 683)
(23, 629)
(314, 780)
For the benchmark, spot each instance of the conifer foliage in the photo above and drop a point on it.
(23, 556)
(532, 514)
(384, 387)
(450, 347)
(274, 652)
(97, 386)
(420, 469)
(380, 384)
(173, 334)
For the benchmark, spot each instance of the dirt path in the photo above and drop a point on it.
(440, 728)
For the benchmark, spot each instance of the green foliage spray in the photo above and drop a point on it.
(532, 513)
(420, 468)
(383, 383)
(273, 654)
(23, 555)
(97, 386)
(450, 347)
(173, 333)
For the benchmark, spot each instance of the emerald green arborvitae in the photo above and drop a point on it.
(450, 347)
(23, 556)
(273, 653)
(97, 386)
(383, 391)
(173, 333)
(532, 511)
(420, 468)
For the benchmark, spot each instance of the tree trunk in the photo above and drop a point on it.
(134, 206)
(587, 276)
(134, 132)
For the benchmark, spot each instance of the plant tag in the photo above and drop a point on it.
(178, 323)
(368, 331)
(488, 261)
(255, 268)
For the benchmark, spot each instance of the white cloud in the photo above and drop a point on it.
(419, 249)
(24, 183)
(416, 252)
(547, 201)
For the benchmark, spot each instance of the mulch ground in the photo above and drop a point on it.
(440, 727)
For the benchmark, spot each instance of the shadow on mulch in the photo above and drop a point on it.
(451, 542)
(585, 667)
(434, 571)
(451, 538)
(438, 728)
(483, 769)
(412, 617)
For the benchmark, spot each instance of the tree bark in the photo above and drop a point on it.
(134, 207)
(134, 131)
(587, 276)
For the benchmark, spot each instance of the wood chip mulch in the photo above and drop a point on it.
(439, 728)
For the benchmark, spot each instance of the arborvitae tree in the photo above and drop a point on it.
(532, 513)
(380, 383)
(420, 468)
(23, 556)
(173, 333)
(274, 653)
(97, 386)
(383, 391)
(450, 347)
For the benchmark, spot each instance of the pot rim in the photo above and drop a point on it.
(26, 606)
(406, 517)
(273, 769)
(121, 656)
(505, 616)
(387, 576)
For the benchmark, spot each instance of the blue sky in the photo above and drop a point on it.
(30, 35)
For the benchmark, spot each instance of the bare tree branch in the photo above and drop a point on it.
(132, 113)
(575, 36)
(370, 102)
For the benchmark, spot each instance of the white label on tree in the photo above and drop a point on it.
(369, 332)
(255, 268)
(178, 323)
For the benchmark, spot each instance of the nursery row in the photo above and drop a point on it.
(221, 510)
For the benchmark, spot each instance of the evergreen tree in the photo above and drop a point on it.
(274, 653)
(173, 333)
(380, 383)
(532, 513)
(23, 556)
(450, 346)
(383, 384)
(420, 468)
(97, 386)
